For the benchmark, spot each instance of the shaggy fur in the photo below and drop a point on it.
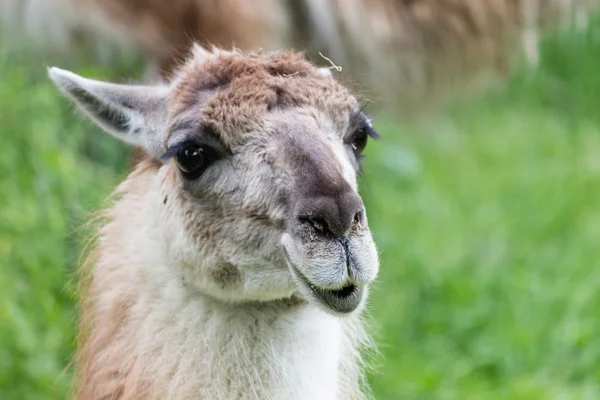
(406, 49)
(197, 287)
(430, 46)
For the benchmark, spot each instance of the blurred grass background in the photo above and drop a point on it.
(487, 216)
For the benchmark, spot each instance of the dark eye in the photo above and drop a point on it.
(360, 142)
(193, 159)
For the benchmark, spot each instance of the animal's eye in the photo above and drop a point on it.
(193, 159)
(360, 142)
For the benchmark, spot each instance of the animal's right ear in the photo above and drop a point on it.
(135, 114)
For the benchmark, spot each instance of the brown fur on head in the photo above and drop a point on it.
(254, 192)
(234, 92)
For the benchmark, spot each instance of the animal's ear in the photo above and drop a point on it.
(135, 114)
(325, 72)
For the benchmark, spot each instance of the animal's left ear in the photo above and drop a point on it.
(134, 114)
(325, 72)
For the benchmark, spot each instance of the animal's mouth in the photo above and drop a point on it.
(330, 275)
(343, 300)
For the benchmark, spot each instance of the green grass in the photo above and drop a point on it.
(54, 171)
(487, 218)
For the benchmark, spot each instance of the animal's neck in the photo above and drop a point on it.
(149, 336)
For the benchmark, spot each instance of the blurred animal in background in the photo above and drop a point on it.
(405, 49)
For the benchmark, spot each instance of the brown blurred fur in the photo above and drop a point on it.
(415, 50)
(405, 49)
(164, 30)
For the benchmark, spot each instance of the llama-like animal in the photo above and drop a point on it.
(236, 259)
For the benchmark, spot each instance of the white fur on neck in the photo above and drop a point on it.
(185, 345)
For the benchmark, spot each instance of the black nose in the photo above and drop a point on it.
(334, 215)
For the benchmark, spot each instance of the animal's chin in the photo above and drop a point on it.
(336, 301)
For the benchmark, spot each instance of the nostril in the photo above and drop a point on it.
(319, 224)
(358, 218)
(316, 222)
(332, 216)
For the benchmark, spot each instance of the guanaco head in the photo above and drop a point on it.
(254, 190)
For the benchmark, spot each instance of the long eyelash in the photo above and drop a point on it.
(172, 151)
(372, 132)
(364, 125)
(366, 128)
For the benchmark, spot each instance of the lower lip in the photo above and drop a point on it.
(341, 301)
